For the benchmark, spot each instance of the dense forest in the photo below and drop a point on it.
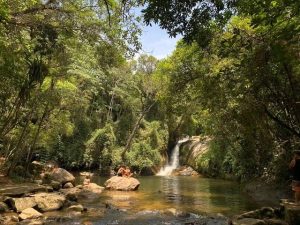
(75, 91)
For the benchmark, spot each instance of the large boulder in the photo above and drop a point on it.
(49, 201)
(19, 190)
(19, 204)
(62, 176)
(186, 171)
(91, 190)
(71, 193)
(94, 188)
(30, 213)
(122, 183)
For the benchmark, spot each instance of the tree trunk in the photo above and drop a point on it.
(135, 128)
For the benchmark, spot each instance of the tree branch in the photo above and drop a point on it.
(281, 123)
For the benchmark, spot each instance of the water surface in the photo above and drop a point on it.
(191, 194)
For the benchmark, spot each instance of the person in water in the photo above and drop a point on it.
(295, 169)
(87, 180)
(121, 171)
(128, 172)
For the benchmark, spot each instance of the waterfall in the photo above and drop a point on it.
(174, 162)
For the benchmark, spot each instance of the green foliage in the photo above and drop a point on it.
(142, 155)
(241, 87)
(193, 18)
(99, 147)
(62, 63)
(71, 94)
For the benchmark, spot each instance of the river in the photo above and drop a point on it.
(197, 195)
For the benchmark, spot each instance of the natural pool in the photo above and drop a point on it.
(158, 195)
(191, 194)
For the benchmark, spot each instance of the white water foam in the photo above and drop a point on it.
(174, 162)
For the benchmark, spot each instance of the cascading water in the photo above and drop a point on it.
(174, 162)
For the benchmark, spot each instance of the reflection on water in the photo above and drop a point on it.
(170, 187)
(191, 194)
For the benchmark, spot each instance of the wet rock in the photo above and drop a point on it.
(49, 201)
(122, 183)
(9, 218)
(71, 193)
(186, 171)
(30, 213)
(19, 190)
(76, 208)
(176, 213)
(94, 188)
(62, 176)
(265, 212)
(68, 185)
(19, 204)
(3, 207)
(248, 221)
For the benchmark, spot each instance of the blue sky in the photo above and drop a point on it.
(157, 42)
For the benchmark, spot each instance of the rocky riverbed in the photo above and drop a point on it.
(56, 199)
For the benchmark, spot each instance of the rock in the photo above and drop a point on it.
(49, 188)
(176, 213)
(79, 186)
(19, 190)
(3, 207)
(71, 193)
(76, 208)
(62, 176)
(9, 218)
(55, 185)
(122, 183)
(19, 204)
(94, 188)
(265, 212)
(68, 185)
(248, 221)
(49, 201)
(91, 190)
(30, 213)
(186, 171)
